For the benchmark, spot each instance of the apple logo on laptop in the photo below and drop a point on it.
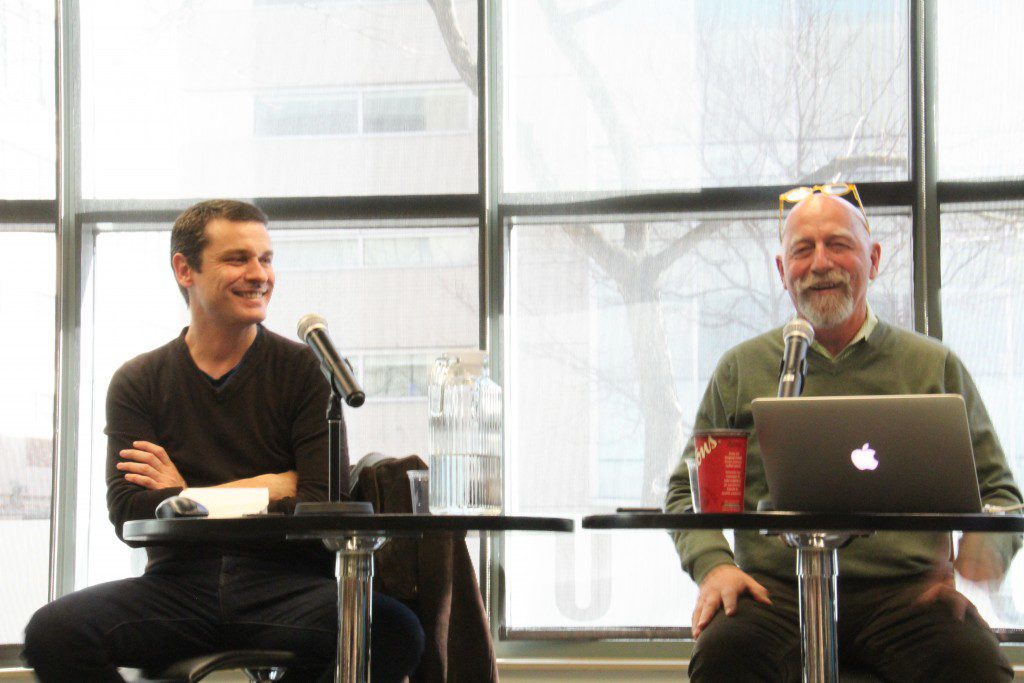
(864, 458)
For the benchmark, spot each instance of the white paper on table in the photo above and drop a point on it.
(230, 502)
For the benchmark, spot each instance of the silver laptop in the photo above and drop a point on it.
(868, 453)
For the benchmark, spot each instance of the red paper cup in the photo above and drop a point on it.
(721, 456)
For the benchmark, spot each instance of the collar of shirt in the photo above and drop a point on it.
(870, 322)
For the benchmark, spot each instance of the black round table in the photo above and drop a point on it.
(809, 521)
(269, 528)
(353, 537)
(816, 537)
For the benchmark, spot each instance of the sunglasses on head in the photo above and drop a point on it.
(798, 194)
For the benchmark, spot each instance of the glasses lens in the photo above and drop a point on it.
(797, 193)
(835, 188)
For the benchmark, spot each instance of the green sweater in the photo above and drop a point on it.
(889, 361)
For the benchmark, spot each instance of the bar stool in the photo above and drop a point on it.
(259, 665)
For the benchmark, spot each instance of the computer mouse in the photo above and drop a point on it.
(179, 506)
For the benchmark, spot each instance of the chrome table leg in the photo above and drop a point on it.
(817, 568)
(355, 603)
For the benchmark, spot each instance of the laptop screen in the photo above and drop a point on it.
(902, 453)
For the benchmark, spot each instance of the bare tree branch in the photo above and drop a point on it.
(611, 259)
(462, 58)
(846, 165)
(563, 28)
(661, 261)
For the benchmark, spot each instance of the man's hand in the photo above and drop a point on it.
(722, 586)
(976, 560)
(942, 588)
(280, 485)
(149, 466)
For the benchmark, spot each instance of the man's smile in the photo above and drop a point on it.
(834, 281)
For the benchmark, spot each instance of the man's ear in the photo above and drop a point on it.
(182, 270)
(782, 271)
(876, 258)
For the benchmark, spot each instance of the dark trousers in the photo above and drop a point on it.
(880, 628)
(192, 608)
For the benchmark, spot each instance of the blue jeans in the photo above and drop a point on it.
(186, 609)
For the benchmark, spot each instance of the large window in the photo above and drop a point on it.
(26, 425)
(617, 321)
(983, 242)
(625, 237)
(183, 100)
(274, 99)
(27, 114)
(27, 299)
(662, 94)
(983, 319)
(611, 351)
(382, 314)
(981, 72)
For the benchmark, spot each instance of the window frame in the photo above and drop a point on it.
(923, 194)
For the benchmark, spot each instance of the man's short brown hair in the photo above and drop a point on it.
(188, 236)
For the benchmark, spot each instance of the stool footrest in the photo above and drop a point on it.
(197, 668)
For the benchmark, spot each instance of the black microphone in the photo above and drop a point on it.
(797, 336)
(313, 331)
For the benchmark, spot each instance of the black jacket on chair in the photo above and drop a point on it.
(435, 575)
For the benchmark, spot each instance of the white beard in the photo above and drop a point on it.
(825, 309)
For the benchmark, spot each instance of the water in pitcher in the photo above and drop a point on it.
(465, 436)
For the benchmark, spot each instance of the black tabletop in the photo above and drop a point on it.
(809, 521)
(283, 527)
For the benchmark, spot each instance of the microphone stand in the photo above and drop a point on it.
(353, 551)
(353, 554)
(817, 566)
(335, 447)
(353, 548)
(336, 502)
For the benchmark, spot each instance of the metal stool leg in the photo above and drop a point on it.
(817, 567)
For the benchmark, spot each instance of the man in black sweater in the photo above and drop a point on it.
(227, 404)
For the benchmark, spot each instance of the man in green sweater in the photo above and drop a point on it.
(899, 613)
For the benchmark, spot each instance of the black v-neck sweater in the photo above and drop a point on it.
(268, 416)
